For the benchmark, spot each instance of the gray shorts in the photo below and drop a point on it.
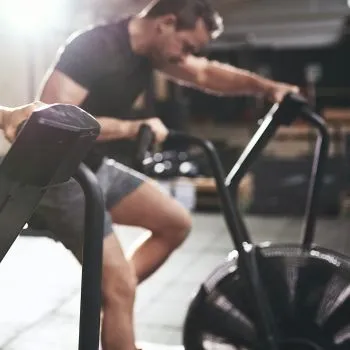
(62, 207)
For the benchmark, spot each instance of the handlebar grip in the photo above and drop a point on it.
(289, 109)
(294, 106)
(144, 141)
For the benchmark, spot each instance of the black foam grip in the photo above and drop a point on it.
(144, 141)
(58, 136)
(290, 109)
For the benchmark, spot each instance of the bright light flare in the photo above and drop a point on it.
(32, 16)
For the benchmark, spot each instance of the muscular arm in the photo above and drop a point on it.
(219, 78)
(59, 88)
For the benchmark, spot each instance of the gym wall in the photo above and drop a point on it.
(26, 53)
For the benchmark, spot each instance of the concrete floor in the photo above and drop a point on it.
(40, 282)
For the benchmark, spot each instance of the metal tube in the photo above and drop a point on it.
(317, 173)
(90, 304)
(248, 253)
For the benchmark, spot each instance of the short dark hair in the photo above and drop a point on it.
(187, 13)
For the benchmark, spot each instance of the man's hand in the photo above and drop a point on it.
(159, 129)
(277, 91)
(13, 117)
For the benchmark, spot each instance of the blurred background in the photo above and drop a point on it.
(303, 42)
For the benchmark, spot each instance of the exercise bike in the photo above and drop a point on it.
(47, 151)
(269, 296)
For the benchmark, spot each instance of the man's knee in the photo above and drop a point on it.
(177, 227)
(118, 285)
(119, 280)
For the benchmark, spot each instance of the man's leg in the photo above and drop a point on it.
(135, 200)
(118, 293)
(62, 209)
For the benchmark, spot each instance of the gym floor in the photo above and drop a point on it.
(40, 294)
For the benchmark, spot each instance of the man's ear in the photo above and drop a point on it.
(167, 24)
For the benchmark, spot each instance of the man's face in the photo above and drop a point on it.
(172, 46)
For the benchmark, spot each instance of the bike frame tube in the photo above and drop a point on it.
(317, 173)
(280, 114)
(90, 304)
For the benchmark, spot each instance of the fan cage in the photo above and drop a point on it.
(309, 294)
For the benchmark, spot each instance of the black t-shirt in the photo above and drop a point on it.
(101, 60)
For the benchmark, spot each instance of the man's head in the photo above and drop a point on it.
(181, 27)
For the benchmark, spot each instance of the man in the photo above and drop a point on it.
(103, 70)
(11, 118)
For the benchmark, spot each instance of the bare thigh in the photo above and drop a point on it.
(150, 208)
(133, 199)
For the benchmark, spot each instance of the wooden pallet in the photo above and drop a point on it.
(207, 196)
(337, 115)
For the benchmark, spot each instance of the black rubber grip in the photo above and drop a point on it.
(144, 141)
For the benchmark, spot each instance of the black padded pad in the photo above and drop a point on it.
(46, 152)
